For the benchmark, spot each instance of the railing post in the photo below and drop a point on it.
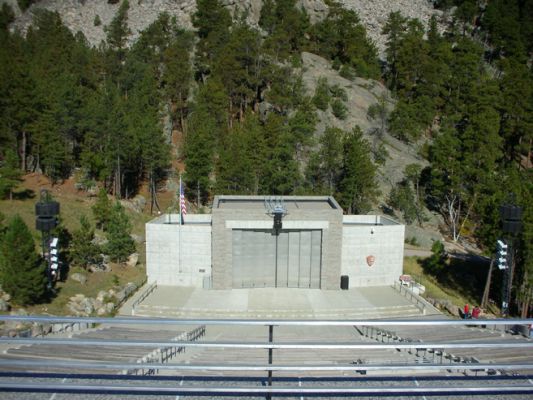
(270, 340)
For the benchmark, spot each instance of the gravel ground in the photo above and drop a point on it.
(361, 381)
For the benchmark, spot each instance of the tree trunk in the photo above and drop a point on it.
(153, 193)
(37, 160)
(467, 215)
(23, 153)
(453, 214)
(529, 156)
(230, 119)
(486, 292)
(118, 174)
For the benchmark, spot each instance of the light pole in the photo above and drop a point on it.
(511, 218)
(46, 211)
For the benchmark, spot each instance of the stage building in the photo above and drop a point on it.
(257, 241)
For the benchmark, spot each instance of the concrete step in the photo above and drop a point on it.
(362, 313)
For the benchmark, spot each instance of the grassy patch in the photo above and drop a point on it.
(119, 275)
(459, 282)
(73, 205)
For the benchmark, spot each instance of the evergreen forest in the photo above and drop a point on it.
(462, 89)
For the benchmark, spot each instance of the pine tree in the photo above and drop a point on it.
(267, 18)
(235, 165)
(341, 38)
(2, 227)
(437, 261)
(516, 109)
(118, 31)
(9, 173)
(48, 145)
(177, 75)
(239, 67)
(149, 156)
(358, 186)
(22, 271)
(25, 4)
(212, 21)
(102, 209)
(6, 17)
(83, 252)
(402, 198)
(281, 175)
(199, 150)
(287, 26)
(302, 126)
(321, 98)
(120, 244)
(447, 188)
(330, 158)
(394, 29)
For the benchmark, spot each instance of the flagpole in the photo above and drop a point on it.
(179, 230)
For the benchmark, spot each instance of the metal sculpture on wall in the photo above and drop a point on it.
(276, 209)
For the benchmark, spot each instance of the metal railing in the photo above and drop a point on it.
(417, 300)
(421, 353)
(163, 355)
(143, 296)
(271, 386)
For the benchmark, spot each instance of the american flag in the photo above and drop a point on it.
(183, 206)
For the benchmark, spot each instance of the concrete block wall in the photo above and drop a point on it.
(165, 264)
(347, 241)
(384, 242)
(224, 219)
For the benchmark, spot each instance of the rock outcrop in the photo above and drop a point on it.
(374, 14)
(80, 15)
(361, 94)
(104, 303)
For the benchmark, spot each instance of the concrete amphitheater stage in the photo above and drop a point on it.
(359, 303)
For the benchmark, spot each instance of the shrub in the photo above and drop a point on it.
(321, 97)
(339, 109)
(437, 261)
(22, 270)
(338, 92)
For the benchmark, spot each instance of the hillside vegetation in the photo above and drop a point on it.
(232, 104)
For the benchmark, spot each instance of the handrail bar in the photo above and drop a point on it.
(151, 364)
(264, 367)
(268, 345)
(268, 322)
(143, 296)
(422, 304)
(262, 390)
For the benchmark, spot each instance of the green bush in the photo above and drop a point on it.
(338, 92)
(321, 98)
(412, 241)
(25, 4)
(437, 261)
(339, 109)
(402, 198)
(22, 270)
(120, 244)
(347, 72)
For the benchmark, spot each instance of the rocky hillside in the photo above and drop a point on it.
(79, 15)
(361, 94)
